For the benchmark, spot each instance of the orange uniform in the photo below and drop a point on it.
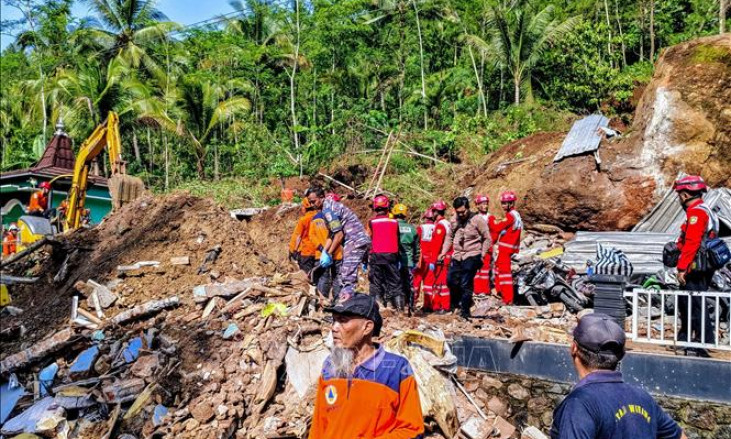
(10, 242)
(38, 202)
(380, 400)
(319, 233)
(508, 244)
(300, 240)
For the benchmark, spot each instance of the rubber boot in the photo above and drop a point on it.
(398, 302)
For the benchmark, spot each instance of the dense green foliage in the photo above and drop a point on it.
(283, 88)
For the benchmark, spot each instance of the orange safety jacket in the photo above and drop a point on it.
(10, 242)
(38, 202)
(319, 233)
(380, 400)
(300, 240)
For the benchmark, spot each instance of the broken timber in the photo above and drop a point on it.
(151, 307)
(38, 351)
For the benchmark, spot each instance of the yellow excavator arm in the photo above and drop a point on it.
(105, 135)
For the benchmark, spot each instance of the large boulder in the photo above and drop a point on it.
(682, 124)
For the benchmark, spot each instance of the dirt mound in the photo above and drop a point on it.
(682, 124)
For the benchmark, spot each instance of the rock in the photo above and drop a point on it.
(488, 381)
(518, 392)
(532, 433)
(145, 366)
(476, 428)
(201, 409)
(497, 406)
(180, 260)
(191, 424)
(505, 428)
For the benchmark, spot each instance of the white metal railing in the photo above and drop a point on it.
(663, 329)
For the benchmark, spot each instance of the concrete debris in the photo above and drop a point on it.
(505, 429)
(532, 433)
(477, 428)
(180, 260)
(303, 368)
(101, 296)
(146, 309)
(137, 266)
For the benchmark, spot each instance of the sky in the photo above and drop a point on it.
(185, 12)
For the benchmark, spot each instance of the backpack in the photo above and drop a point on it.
(713, 249)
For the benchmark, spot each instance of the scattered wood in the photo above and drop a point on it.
(235, 302)
(89, 316)
(140, 401)
(469, 398)
(146, 309)
(180, 260)
(30, 249)
(112, 422)
(269, 292)
(38, 351)
(202, 293)
(210, 306)
(11, 280)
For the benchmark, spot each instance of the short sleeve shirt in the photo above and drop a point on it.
(340, 218)
(602, 406)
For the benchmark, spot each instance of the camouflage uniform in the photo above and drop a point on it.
(355, 243)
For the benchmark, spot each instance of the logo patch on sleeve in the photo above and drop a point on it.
(331, 394)
(693, 220)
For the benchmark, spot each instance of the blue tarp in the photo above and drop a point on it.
(10, 394)
(132, 351)
(85, 360)
(46, 377)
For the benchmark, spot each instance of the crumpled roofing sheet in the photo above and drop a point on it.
(583, 137)
(667, 216)
(643, 249)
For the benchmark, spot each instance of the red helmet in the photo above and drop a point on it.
(439, 205)
(381, 202)
(429, 214)
(332, 196)
(45, 185)
(482, 199)
(691, 183)
(508, 197)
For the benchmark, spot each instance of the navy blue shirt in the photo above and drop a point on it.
(602, 406)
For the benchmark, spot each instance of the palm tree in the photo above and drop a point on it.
(204, 106)
(127, 26)
(520, 39)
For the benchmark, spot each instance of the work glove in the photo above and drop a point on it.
(325, 260)
(432, 266)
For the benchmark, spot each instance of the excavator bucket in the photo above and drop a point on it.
(124, 189)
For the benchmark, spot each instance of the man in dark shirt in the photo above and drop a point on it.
(601, 405)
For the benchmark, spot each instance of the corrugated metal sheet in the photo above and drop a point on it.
(644, 249)
(583, 137)
(667, 216)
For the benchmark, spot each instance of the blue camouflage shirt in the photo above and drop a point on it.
(602, 406)
(340, 218)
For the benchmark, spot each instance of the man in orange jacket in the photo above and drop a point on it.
(38, 204)
(364, 392)
(301, 249)
(10, 240)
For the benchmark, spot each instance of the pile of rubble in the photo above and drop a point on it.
(166, 320)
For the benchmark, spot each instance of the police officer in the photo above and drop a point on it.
(602, 405)
(700, 224)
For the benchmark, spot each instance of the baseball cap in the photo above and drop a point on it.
(599, 333)
(360, 305)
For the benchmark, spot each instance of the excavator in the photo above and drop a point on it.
(123, 188)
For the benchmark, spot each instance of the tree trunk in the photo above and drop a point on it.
(652, 30)
(621, 34)
(480, 87)
(136, 147)
(609, 32)
(421, 59)
(215, 162)
(292, 94)
(167, 162)
(516, 83)
(150, 149)
(642, 30)
(722, 7)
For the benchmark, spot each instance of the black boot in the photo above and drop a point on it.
(398, 302)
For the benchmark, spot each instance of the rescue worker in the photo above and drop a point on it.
(508, 243)
(409, 252)
(602, 405)
(469, 238)
(38, 205)
(483, 278)
(301, 249)
(700, 224)
(347, 231)
(424, 273)
(324, 278)
(383, 260)
(10, 240)
(440, 291)
(364, 391)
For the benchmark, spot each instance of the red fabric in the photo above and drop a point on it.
(482, 278)
(384, 234)
(437, 279)
(691, 234)
(504, 277)
(508, 231)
